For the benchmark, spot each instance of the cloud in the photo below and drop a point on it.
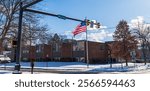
(95, 35)
(137, 21)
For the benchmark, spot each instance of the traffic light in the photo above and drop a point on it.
(14, 43)
(88, 22)
(91, 24)
(98, 25)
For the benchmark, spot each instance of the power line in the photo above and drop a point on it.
(109, 28)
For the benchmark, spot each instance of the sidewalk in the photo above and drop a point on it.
(10, 72)
(78, 68)
(5, 72)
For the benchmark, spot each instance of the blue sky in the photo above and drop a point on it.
(107, 12)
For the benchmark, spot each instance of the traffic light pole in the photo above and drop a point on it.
(18, 52)
(19, 37)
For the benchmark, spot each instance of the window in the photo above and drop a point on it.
(102, 47)
(25, 51)
(78, 46)
(56, 47)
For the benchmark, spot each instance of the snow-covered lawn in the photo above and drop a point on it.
(82, 67)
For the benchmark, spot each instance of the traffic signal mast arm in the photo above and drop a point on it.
(32, 3)
(54, 15)
(88, 22)
(25, 8)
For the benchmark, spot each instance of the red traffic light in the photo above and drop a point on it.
(14, 43)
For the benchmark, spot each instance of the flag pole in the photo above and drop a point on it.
(87, 53)
(72, 48)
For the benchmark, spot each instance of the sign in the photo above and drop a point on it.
(61, 17)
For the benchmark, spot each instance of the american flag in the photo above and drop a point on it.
(80, 28)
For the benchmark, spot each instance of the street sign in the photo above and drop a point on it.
(61, 17)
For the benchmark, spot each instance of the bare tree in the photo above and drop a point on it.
(43, 35)
(9, 15)
(9, 22)
(142, 32)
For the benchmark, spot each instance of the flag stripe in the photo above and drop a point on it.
(79, 29)
(77, 32)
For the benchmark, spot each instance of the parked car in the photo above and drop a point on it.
(4, 59)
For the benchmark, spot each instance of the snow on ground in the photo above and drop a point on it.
(5, 72)
(82, 67)
(11, 72)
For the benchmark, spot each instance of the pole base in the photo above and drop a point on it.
(17, 72)
(17, 69)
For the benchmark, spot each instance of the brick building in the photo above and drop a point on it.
(28, 53)
(70, 51)
(67, 51)
(97, 52)
(43, 52)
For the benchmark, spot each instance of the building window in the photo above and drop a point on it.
(38, 50)
(78, 46)
(102, 47)
(56, 47)
(25, 51)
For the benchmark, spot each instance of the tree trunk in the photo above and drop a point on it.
(149, 50)
(144, 54)
(126, 62)
(1, 47)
